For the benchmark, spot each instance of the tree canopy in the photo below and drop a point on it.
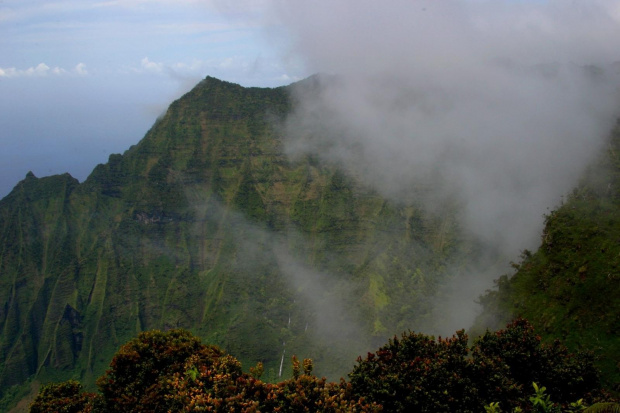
(173, 371)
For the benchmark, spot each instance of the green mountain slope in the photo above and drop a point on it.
(205, 224)
(570, 288)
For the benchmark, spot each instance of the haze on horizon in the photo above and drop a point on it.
(80, 80)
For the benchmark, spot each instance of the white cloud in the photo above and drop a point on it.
(7, 72)
(42, 70)
(495, 106)
(494, 95)
(80, 69)
(150, 66)
(194, 68)
(57, 71)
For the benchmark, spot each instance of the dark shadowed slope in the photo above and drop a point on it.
(570, 288)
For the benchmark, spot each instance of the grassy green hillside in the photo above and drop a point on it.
(570, 288)
(206, 225)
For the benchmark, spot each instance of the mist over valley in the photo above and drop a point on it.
(449, 165)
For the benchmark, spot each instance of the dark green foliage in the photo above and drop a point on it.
(307, 393)
(247, 198)
(569, 288)
(35, 228)
(419, 373)
(173, 371)
(603, 408)
(223, 387)
(66, 397)
(139, 376)
(508, 361)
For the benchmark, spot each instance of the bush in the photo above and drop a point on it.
(140, 374)
(66, 397)
(508, 361)
(223, 387)
(419, 373)
(173, 371)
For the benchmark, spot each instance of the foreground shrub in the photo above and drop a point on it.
(174, 372)
(139, 376)
(223, 387)
(66, 397)
(419, 373)
(508, 361)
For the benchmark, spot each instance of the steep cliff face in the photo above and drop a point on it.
(205, 224)
(37, 238)
(570, 287)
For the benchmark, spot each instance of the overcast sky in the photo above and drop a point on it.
(81, 79)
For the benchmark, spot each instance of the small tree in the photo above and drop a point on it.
(140, 374)
(507, 362)
(417, 373)
(223, 387)
(173, 371)
(66, 397)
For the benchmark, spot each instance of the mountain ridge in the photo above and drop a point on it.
(206, 224)
(568, 288)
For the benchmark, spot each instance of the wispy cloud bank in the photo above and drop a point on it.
(196, 66)
(494, 106)
(235, 67)
(42, 70)
(500, 103)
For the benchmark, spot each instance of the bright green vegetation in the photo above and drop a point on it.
(174, 372)
(206, 225)
(570, 288)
